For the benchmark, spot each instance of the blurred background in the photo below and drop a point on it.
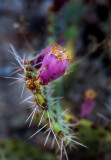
(83, 27)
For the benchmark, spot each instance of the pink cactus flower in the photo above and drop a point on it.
(88, 103)
(54, 64)
(87, 108)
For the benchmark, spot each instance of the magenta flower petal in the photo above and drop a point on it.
(42, 55)
(47, 50)
(54, 65)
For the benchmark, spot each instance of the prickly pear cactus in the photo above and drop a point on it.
(37, 73)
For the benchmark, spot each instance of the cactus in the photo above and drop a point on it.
(16, 150)
(97, 139)
(37, 73)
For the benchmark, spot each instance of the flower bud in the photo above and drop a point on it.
(88, 103)
(54, 64)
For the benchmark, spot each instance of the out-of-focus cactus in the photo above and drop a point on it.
(17, 150)
(97, 139)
